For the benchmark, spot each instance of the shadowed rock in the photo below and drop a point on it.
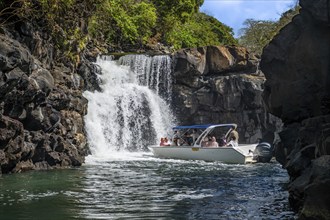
(296, 64)
(41, 105)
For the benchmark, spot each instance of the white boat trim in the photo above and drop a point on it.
(222, 154)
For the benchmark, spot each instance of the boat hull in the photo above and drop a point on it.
(237, 155)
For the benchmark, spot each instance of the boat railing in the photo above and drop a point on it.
(180, 138)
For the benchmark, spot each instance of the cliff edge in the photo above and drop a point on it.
(296, 64)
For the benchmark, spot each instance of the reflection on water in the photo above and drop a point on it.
(148, 188)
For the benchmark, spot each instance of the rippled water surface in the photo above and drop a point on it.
(148, 188)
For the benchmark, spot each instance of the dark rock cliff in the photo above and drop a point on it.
(297, 66)
(218, 84)
(42, 107)
(41, 103)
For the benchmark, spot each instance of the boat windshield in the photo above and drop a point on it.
(195, 134)
(219, 132)
(187, 135)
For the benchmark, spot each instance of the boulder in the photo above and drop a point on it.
(13, 54)
(43, 80)
(213, 60)
(88, 72)
(11, 143)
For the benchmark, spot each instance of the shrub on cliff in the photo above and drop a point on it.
(123, 24)
(62, 22)
(200, 30)
(173, 23)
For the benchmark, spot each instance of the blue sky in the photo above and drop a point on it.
(234, 12)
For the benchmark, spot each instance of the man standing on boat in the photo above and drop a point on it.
(233, 135)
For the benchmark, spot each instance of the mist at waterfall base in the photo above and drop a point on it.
(122, 180)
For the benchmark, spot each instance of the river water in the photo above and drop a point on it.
(139, 186)
(122, 180)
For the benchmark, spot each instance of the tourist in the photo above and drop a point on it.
(233, 133)
(166, 142)
(204, 142)
(233, 142)
(222, 142)
(213, 142)
(176, 138)
(162, 142)
(188, 139)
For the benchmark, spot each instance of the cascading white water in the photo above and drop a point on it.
(153, 72)
(129, 113)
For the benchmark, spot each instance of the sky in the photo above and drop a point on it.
(234, 12)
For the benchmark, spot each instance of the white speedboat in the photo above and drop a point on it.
(236, 154)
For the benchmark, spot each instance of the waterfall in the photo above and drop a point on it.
(152, 72)
(133, 109)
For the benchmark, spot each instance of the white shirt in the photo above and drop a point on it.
(232, 143)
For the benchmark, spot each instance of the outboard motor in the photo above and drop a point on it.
(263, 152)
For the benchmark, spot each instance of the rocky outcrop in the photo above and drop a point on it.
(218, 84)
(296, 64)
(41, 104)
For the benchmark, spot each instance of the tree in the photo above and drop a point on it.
(181, 9)
(123, 24)
(256, 34)
(199, 30)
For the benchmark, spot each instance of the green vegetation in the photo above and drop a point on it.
(200, 30)
(122, 24)
(258, 33)
(134, 24)
(64, 22)
(145, 22)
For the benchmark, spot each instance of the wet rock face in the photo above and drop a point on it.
(11, 143)
(296, 65)
(218, 84)
(41, 105)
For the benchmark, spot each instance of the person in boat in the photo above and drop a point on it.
(162, 142)
(233, 142)
(176, 138)
(166, 142)
(233, 133)
(213, 142)
(188, 140)
(222, 142)
(205, 142)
